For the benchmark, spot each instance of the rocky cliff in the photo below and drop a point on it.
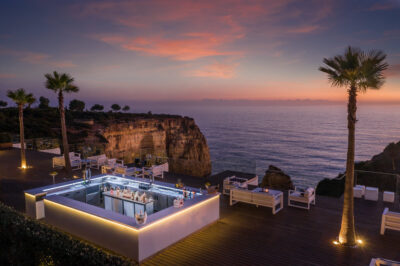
(120, 135)
(381, 171)
(176, 139)
(275, 178)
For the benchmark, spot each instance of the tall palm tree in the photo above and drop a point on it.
(21, 98)
(358, 71)
(60, 84)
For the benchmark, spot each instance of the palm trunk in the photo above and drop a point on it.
(347, 235)
(21, 135)
(393, 164)
(64, 132)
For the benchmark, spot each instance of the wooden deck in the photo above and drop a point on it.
(245, 234)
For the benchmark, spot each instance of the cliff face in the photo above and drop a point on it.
(177, 138)
(275, 178)
(381, 172)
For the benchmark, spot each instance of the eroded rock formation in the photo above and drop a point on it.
(177, 138)
(275, 178)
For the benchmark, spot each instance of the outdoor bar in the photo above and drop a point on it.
(131, 216)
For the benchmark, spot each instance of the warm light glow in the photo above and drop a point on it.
(30, 196)
(97, 218)
(335, 242)
(359, 241)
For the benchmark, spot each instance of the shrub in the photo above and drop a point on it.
(115, 107)
(5, 137)
(77, 105)
(24, 241)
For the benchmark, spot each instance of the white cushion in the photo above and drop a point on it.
(388, 196)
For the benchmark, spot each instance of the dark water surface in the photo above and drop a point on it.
(307, 142)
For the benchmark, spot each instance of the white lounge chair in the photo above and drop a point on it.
(301, 199)
(97, 161)
(383, 262)
(74, 158)
(371, 193)
(390, 220)
(359, 191)
(273, 199)
(158, 170)
(125, 170)
(237, 182)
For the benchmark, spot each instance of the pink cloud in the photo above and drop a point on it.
(304, 29)
(216, 70)
(384, 5)
(163, 28)
(36, 58)
(393, 71)
(7, 76)
(32, 58)
(192, 46)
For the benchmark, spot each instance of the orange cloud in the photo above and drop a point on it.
(393, 71)
(32, 58)
(190, 47)
(304, 29)
(216, 70)
(384, 5)
(7, 76)
(36, 58)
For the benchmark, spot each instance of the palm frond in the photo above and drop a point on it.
(356, 68)
(60, 83)
(20, 97)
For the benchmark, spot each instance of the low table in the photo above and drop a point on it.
(270, 191)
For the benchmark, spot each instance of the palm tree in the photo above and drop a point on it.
(21, 98)
(358, 71)
(60, 84)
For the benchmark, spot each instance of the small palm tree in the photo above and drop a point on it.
(358, 71)
(60, 84)
(21, 98)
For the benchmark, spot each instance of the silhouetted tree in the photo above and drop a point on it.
(60, 84)
(43, 102)
(3, 103)
(358, 71)
(76, 105)
(21, 98)
(115, 107)
(126, 108)
(97, 107)
(392, 151)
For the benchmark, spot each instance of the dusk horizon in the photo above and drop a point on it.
(269, 50)
(200, 132)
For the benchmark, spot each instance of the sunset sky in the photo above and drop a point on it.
(193, 50)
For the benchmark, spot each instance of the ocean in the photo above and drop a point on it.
(308, 142)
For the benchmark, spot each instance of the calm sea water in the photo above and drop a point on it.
(307, 142)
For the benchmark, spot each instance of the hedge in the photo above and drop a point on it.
(24, 241)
